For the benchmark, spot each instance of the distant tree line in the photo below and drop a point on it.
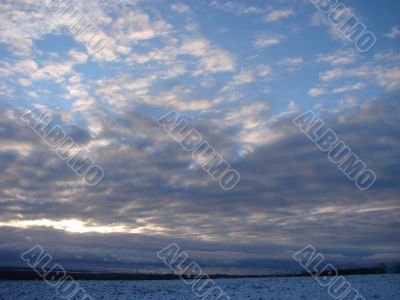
(27, 274)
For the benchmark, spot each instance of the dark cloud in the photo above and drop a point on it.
(290, 194)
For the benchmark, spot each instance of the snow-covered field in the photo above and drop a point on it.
(371, 287)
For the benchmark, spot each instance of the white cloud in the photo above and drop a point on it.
(136, 25)
(75, 87)
(388, 78)
(248, 76)
(340, 57)
(24, 21)
(248, 116)
(389, 56)
(53, 71)
(5, 90)
(347, 88)
(276, 15)
(195, 46)
(216, 61)
(385, 76)
(167, 54)
(266, 41)
(319, 19)
(263, 70)
(338, 73)
(24, 82)
(257, 128)
(244, 77)
(123, 90)
(212, 58)
(20, 23)
(19, 44)
(180, 8)
(25, 66)
(56, 70)
(177, 69)
(332, 74)
(290, 61)
(179, 98)
(237, 8)
(394, 33)
(78, 57)
(316, 92)
(347, 102)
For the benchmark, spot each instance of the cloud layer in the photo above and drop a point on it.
(239, 74)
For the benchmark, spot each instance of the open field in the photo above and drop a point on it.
(370, 286)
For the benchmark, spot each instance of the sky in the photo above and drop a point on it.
(239, 72)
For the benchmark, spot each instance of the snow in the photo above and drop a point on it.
(370, 286)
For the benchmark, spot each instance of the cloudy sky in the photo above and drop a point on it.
(239, 72)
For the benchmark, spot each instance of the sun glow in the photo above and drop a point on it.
(78, 226)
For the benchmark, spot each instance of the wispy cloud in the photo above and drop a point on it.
(276, 15)
(267, 40)
(394, 32)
